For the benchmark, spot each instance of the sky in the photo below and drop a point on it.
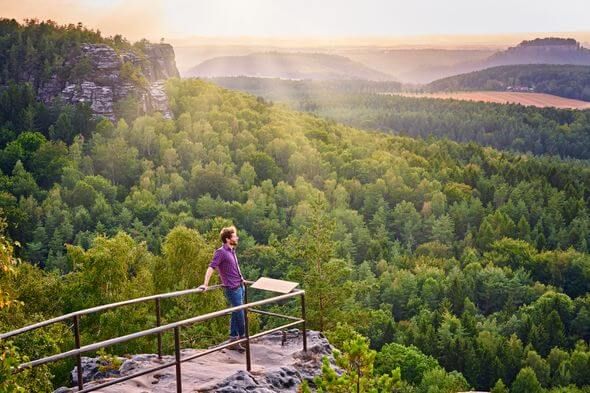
(176, 19)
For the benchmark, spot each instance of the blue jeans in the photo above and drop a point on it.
(235, 297)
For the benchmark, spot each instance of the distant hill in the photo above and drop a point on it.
(543, 51)
(418, 65)
(288, 66)
(558, 51)
(427, 65)
(571, 81)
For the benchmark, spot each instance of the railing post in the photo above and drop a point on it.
(248, 359)
(304, 321)
(78, 356)
(158, 323)
(177, 359)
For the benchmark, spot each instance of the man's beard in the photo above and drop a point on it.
(233, 243)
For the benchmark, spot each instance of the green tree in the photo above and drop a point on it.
(579, 365)
(443, 229)
(358, 375)
(439, 381)
(409, 360)
(526, 382)
(558, 361)
(407, 223)
(115, 160)
(63, 129)
(23, 182)
(322, 276)
(499, 387)
(539, 366)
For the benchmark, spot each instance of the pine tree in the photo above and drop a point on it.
(526, 382)
(321, 275)
(358, 376)
(499, 387)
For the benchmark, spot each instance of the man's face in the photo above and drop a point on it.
(233, 240)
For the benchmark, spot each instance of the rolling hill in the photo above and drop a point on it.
(551, 51)
(418, 65)
(316, 66)
(426, 66)
(570, 81)
(543, 51)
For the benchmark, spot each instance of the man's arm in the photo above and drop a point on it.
(212, 266)
(208, 275)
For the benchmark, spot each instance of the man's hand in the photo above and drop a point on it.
(202, 288)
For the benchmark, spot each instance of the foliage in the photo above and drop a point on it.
(7, 268)
(443, 254)
(526, 381)
(323, 276)
(356, 363)
(438, 380)
(412, 363)
(9, 360)
(132, 74)
(527, 129)
(107, 362)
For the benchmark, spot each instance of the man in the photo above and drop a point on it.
(226, 263)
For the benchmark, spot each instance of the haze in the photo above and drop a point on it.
(183, 20)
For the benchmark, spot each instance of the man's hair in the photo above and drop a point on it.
(226, 233)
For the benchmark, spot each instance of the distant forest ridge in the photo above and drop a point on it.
(551, 41)
(371, 63)
(570, 81)
(318, 66)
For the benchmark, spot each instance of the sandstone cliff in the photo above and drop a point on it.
(107, 78)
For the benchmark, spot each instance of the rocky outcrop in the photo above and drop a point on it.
(542, 51)
(160, 62)
(109, 77)
(278, 365)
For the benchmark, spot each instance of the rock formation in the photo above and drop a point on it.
(542, 51)
(277, 366)
(110, 77)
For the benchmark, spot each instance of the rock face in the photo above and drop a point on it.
(104, 82)
(277, 366)
(161, 63)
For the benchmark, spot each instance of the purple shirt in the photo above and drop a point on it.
(226, 263)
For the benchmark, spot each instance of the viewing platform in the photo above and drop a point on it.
(278, 354)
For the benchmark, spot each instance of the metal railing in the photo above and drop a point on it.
(159, 330)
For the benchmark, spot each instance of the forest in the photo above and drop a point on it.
(540, 131)
(470, 265)
(434, 266)
(571, 81)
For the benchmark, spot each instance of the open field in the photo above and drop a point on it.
(504, 97)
